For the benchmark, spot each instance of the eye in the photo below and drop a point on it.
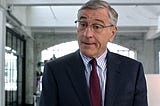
(82, 24)
(97, 26)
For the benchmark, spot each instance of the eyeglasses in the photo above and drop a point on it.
(82, 26)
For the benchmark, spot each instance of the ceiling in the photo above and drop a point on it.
(136, 17)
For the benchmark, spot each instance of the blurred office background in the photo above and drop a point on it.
(33, 32)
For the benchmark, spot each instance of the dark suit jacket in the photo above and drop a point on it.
(64, 82)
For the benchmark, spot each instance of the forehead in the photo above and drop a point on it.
(94, 14)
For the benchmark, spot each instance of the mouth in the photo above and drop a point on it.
(88, 44)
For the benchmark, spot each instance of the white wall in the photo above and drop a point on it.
(153, 86)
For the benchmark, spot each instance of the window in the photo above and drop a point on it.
(14, 68)
(10, 72)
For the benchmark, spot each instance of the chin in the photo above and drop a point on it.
(88, 53)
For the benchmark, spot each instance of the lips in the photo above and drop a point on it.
(88, 43)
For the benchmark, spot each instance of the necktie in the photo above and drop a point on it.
(95, 91)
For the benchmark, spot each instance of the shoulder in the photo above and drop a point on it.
(64, 60)
(122, 59)
(63, 64)
(126, 65)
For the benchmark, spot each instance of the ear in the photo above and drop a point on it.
(113, 33)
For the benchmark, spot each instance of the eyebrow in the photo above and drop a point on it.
(98, 20)
(82, 17)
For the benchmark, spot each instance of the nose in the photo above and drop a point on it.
(88, 32)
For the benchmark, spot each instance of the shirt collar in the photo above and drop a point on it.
(101, 60)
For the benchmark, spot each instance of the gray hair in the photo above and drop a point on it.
(95, 4)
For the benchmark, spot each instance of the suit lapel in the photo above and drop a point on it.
(113, 79)
(77, 76)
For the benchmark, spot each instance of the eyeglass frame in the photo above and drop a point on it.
(92, 26)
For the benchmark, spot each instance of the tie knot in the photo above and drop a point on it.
(93, 62)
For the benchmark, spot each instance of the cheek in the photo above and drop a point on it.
(104, 40)
(78, 35)
(107, 37)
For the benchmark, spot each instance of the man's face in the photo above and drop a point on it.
(92, 43)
